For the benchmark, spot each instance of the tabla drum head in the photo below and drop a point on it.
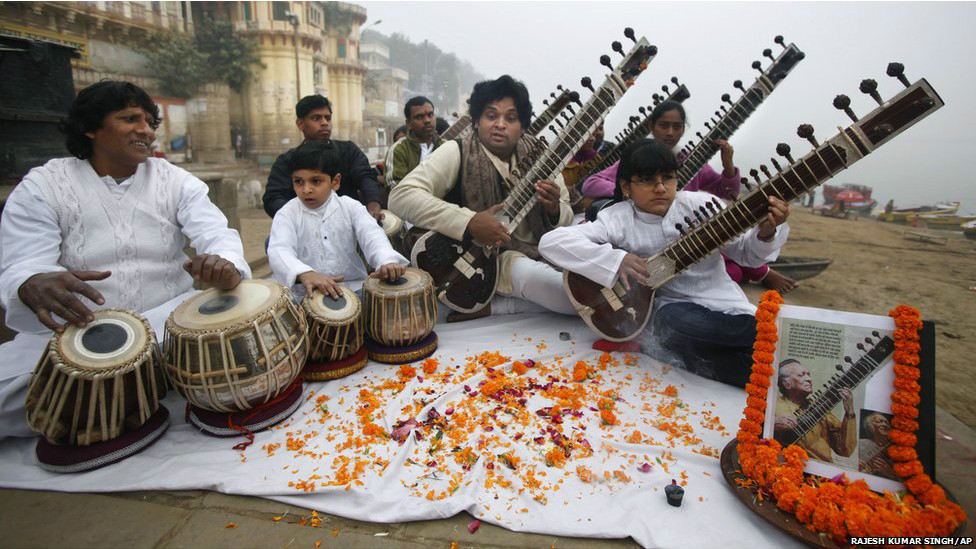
(215, 308)
(392, 224)
(324, 308)
(412, 282)
(114, 338)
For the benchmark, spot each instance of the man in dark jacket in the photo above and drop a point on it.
(314, 114)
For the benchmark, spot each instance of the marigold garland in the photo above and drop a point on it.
(841, 508)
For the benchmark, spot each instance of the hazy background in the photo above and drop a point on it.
(708, 45)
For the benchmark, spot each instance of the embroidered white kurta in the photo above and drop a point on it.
(63, 216)
(324, 240)
(418, 199)
(596, 250)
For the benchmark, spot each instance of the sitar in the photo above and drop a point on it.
(458, 128)
(559, 102)
(465, 272)
(698, 154)
(820, 403)
(618, 315)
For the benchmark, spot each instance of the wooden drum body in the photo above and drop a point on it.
(400, 317)
(95, 383)
(335, 325)
(234, 350)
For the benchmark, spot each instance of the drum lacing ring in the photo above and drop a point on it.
(295, 385)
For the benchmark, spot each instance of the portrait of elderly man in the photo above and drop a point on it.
(872, 455)
(829, 434)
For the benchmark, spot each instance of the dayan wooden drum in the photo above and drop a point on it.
(400, 317)
(234, 350)
(92, 384)
(335, 335)
(395, 230)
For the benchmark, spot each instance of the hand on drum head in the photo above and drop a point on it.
(323, 283)
(213, 270)
(48, 293)
(390, 272)
(486, 229)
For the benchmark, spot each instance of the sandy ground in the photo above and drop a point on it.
(875, 268)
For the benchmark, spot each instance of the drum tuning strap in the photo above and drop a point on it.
(295, 385)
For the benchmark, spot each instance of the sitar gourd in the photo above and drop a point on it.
(466, 272)
(820, 403)
(619, 315)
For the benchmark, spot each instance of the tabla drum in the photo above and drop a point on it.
(235, 350)
(400, 317)
(335, 335)
(95, 393)
(395, 230)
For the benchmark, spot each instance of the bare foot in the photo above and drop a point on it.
(780, 283)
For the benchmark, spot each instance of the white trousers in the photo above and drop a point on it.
(536, 287)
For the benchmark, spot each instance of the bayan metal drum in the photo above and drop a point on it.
(400, 317)
(235, 350)
(95, 393)
(335, 335)
(395, 230)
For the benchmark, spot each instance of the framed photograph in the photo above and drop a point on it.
(831, 394)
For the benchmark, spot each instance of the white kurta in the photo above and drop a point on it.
(419, 200)
(324, 240)
(63, 216)
(595, 250)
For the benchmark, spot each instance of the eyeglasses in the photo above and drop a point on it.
(654, 180)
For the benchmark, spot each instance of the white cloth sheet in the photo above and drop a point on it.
(183, 458)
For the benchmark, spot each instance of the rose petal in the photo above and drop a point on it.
(645, 468)
(473, 527)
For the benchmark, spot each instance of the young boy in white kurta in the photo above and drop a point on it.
(701, 315)
(314, 235)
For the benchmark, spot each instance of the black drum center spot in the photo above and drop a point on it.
(104, 338)
(219, 305)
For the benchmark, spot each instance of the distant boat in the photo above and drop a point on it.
(969, 229)
(830, 192)
(799, 268)
(907, 215)
(945, 222)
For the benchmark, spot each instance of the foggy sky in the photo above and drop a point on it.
(708, 45)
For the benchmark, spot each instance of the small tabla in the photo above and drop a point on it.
(95, 393)
(235, 350)
(395, 230)
(335, 335)
(400, 317)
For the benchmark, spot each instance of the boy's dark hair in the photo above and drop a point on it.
(418, 101)
(310, 103)
(665, 106)
(315, 155)
(500, 88)
(645, 157)
(93, 104)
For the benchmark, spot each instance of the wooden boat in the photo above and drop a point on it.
(907, 215)
(969, 229)
(945, 222)
(799, 268)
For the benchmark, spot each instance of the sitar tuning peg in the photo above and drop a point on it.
(575, 98)
(868, 341)
(779, 40)
(700, 136)
(897, 70)
(860, 346)
(545, 102)
(699, 217)
(587, 83)
(711, 207)
(642, 110)
(674, 80)
(634, 119)
(657, 99)
(689, 222)
(454, 114)
(738, 84)
(605, 61)
(559, 123)
(755, 175)
(783, 150)
(839, 367)
(665, 89)
(570, 109)
(765, 171)
(680, 228)
(617, 47)
(805, 131)
(757, 65)
(848, 360)
(559, 87)
(876, 334)
(769, 53)
(727, 98)
(707, 125)
(629, 33)
(552, 95)
(553, 129)
(745, 183)
(776, 165)
(843, 103)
